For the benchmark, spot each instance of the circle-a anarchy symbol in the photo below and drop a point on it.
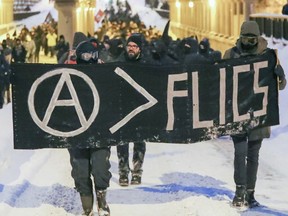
(65, 78)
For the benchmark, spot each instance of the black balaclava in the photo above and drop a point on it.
(86, 53)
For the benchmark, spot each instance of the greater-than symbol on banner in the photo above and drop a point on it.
(151, 100)
(55, 101)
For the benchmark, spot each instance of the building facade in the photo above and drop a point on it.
(6, 15)
(75, 15)
(218, 20)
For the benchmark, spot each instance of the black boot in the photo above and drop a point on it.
(251, 201)
(239, 198)
(87, 205)
(136, 179)
(103, 208)
(123, 180)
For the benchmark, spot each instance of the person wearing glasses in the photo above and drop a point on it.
(133, 54)
(247, 146)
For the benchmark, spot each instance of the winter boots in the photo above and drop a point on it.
(244, 197)
(136, 179)
(87, 205)
(103, 208)
(239, 198)
(250, 199)
(123, 180)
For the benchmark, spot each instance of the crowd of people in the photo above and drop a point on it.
(120, 41)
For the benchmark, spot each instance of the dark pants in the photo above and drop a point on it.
(137, 160)
(246, 158)
(87, 162)
(2, 92)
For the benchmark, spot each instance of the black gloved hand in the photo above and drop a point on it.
(279, 71)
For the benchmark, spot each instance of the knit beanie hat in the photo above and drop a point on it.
(204, 46)
(137, 39)
(250, 28)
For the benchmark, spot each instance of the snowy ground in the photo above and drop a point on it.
(178, 180)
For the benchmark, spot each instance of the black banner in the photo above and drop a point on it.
(62, 106)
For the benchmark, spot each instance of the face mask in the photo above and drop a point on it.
(89, 57)
(248, 42)
(187, 49)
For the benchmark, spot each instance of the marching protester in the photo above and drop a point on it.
(61, 47)
(4, 76)
(90, 161)
(7, 51)
(247, 145)
(30, 47)
(158, 53)
(18, 52)
(133, 54)
(69, 57)
(51, 42)
(112, 51)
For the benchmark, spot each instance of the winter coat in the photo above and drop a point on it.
(237, 52)
(51, 39)
(4, 71)
(195, 59)
(30, 48)
(19, 54)
(61, 47)
(158, 54)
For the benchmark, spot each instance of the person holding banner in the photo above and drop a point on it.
(132, 54)
(90, 161)
(247, 145)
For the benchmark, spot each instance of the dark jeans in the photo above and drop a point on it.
(246, 158)
(139, 150)
(2, 92)
(87, 162)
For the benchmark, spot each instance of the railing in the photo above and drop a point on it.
(5, 28)
(273, 26)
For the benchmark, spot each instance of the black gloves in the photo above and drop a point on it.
(280, 73)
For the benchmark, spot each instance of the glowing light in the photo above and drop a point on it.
(178, 4)
(191, 4)
(78, 10)
(212, 3)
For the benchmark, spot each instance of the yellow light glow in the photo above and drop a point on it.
(78, 10)
(178, 4)
(212, 3)
(191, 4)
